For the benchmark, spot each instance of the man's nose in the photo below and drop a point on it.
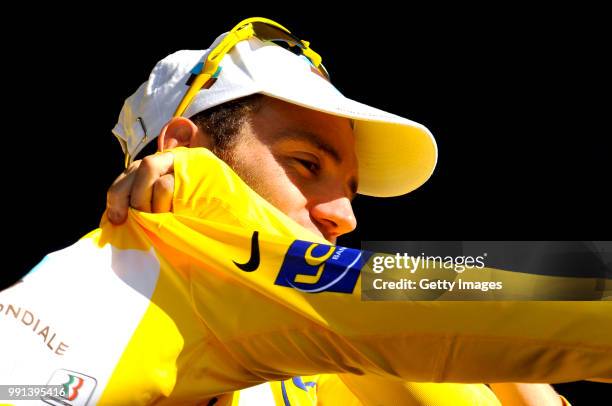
(334, 217)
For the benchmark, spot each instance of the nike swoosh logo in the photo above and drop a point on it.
(253, 262)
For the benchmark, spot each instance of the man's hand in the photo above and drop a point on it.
(147, 185)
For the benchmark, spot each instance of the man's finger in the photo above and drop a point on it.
(150, 170)
(118, 195)
(163, 191)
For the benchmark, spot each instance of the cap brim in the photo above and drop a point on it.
(396, 155)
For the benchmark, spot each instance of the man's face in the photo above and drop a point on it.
(301, 161)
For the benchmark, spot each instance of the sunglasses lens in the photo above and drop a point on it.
(324, 71)
(267, 32)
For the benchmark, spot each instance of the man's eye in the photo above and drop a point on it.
(312, 167)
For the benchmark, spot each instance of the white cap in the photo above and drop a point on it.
(395, 155)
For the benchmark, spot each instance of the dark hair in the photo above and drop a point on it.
(223, 122)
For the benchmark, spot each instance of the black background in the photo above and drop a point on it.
(516, 97)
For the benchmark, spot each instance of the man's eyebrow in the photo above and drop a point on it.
(312, 138)
(316, 140)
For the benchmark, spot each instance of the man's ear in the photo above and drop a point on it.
(181, 132)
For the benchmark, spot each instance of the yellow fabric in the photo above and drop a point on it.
(373, 390)
(355, 390)
(213, 328)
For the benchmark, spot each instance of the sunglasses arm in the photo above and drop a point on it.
(212, 64)
(312, 55)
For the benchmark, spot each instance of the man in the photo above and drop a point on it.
(301, 160)
(262, 159)
(182, 307)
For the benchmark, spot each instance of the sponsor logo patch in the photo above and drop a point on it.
(77, 388)
(314, 268)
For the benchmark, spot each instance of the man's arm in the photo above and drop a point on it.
(148, 185)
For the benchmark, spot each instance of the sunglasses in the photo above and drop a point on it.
(262, 28)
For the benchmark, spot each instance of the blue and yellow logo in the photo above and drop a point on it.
(314, 268)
